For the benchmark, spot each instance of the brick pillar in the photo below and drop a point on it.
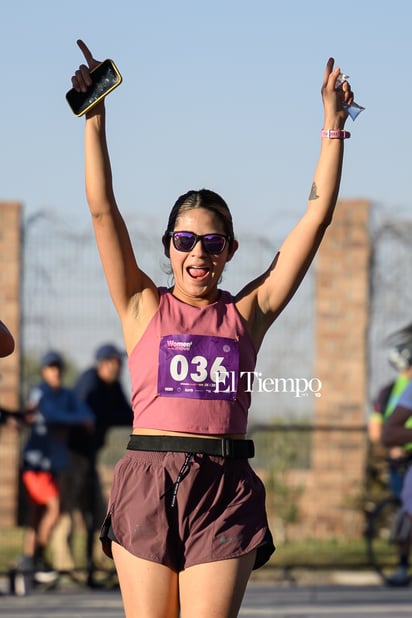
(10, 301)
(330, 489)
(342, 303)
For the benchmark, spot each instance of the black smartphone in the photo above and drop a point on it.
(106, 77)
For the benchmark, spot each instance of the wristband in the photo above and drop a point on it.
(335, 133)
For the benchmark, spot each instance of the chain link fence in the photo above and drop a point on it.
(66, 304)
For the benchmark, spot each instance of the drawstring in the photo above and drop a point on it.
(183, 472)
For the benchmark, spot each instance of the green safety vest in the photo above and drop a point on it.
(398, 387)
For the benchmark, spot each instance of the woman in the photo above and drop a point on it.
(187, 522)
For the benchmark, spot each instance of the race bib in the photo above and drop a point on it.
(198, 367)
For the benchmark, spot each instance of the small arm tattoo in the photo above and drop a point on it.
(314, 192)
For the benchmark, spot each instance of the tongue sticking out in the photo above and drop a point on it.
(197, 273)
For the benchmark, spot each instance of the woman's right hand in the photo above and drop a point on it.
(81, 80)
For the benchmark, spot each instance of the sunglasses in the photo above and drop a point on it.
(212, 243)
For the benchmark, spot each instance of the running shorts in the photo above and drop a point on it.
(216, 511)
(41, 486)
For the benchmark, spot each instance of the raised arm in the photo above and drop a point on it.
(263, 299)
(395, 429)
(126, 281)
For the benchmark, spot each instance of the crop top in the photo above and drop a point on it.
(192, 369)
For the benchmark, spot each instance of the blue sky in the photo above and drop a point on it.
(222, 94)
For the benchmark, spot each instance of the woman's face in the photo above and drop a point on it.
(53, 375)
(197, 273)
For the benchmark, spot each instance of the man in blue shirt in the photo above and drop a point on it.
(100, 388)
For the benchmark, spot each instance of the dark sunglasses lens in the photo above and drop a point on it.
(184, 241)
(214, 243)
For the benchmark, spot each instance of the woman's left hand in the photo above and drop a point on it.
(336, 98)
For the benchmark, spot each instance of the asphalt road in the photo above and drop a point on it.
(263, 599)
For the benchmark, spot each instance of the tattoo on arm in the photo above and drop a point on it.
(314, 192)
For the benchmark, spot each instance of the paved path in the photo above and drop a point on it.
(263, 599)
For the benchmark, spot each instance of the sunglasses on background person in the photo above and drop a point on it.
(186, 241)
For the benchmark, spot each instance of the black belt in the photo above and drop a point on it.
(224, 447)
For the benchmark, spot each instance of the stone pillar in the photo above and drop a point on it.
(342, 304)
(10, 303)
(329, 501)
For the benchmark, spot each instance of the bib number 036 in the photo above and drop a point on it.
(197, 370)
(198, 366)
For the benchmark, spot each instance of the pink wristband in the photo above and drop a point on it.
(335, 133)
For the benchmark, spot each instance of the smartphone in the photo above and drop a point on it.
(106, 77)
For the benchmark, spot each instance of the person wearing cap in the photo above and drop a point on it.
(399, 454)
(397, 432)
(400, 358)
(100, 388)
(52, 410)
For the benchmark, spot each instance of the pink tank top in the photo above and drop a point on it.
(192, 369)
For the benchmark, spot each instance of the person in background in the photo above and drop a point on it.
(400, 357)
(397, 431)
(7, 343)
(187, 521)
(51, 410)
(101, 389)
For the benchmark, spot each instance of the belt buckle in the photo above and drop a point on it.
(228, 448)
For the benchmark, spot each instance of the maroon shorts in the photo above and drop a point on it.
(218, 511)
